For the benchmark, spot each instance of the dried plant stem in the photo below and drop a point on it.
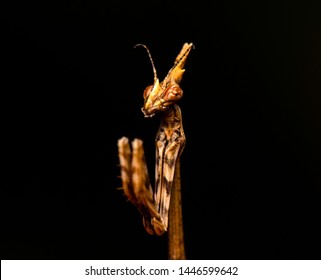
(176, 246)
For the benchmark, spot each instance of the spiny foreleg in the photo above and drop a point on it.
(136, 183)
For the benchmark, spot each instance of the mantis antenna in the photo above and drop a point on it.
(151, 59)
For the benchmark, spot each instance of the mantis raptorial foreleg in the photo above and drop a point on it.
(136, 183)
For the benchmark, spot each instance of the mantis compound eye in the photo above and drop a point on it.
(147, 91)
(173, 93)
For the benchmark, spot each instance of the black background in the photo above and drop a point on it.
(72, 84)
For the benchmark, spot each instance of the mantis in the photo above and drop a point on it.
(161, 208)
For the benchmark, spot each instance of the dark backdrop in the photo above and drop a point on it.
(72, 84)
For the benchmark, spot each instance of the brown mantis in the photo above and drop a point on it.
(162, 205)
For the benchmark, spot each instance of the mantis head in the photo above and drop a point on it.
(161, 95)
